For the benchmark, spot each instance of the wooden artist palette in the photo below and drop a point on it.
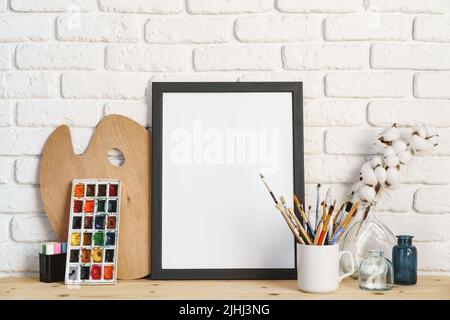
(59, 166)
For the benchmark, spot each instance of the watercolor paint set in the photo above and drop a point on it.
(93, 236)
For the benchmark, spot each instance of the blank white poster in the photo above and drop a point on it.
(216, 212)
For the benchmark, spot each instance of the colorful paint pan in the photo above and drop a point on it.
(101, 205)
(89, 206)
(108, 272)
(76, 223)
(78, 206)
(112, 206)
(99, 238)
(88, 222)
(111, 222)
(87, 239)
(96, 272)
(93, 232)
(113, 190)
(98, 255)
(86, 255)
(100, 222)
(85, 272)
(75, 239)
(101, 190)
(79, 190)
(109, 255)
(90, 190)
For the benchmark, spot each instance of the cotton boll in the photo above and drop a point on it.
(376, 162)
(399, 146)
(389, 151)
(421, 146)
(418, 144)
(368, 177)
(392, 161)
(390, 135)
(433, 140)
(430, 130)
(367, 193)
(392, 177)
(365, 166)
(404, 157)
(420, 130)
(380, 173)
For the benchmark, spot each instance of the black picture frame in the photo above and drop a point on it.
(158, 89)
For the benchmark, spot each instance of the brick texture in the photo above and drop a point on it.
(278, 28)
(53, 6)
(329, 6)
(364, 65)
(59, 57)
(148, 58)
(25, 28)
(100, 28)
(188, 30)
(430, 28)
(368, 84)
(329, 56)
(228, 58)
(5, 58)
(103, 85)
(360, 27)
(142, 6)
(406, 112)
(228, 6)
(408, 6)
(432, 85)
(415, 56)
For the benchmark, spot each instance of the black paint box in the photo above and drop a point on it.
(52, 267)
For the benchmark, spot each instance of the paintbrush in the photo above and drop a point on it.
(317, 205)
(294, 230)
(281, 208)
(268, 188)
(338, 213)
(343, 226)
(303, 232)
(304, 216)
(324, 210)
(320, 224)
(312, 233)
(300, 209)
(330, 223)
(318, 232)
(326, 224)
(295, 220)
(343, 215)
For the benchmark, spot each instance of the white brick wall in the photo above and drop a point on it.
(59, 57)
(365, 64)
(52, 6)
(430, 28)
(276, 28)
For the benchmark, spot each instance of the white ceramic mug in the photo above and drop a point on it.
(318, 268)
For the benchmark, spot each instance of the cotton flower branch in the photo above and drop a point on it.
(383, 172)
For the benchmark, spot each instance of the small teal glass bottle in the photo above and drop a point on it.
(404, 260)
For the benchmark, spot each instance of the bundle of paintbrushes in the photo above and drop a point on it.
(330, 224)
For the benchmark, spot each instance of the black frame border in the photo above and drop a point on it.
(158, 89)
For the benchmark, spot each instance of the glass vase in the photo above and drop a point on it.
(364, 236)
(404, 260)
(376, 272)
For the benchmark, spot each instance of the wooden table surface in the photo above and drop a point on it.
(428, 287)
